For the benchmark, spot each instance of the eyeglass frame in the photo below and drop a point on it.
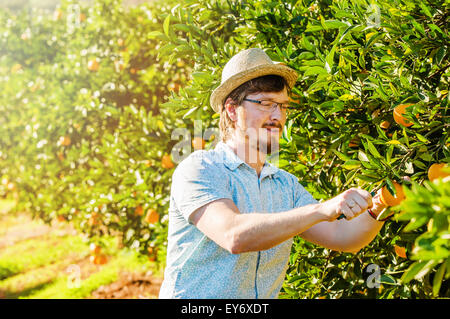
(273, 103)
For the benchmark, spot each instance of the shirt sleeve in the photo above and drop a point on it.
(196, 182)
(301, 196)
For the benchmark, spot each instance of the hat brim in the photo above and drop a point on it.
(224, 89)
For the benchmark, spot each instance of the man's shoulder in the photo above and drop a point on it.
(287, 176)
(200, 159)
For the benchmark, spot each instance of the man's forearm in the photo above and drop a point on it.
(357, 233)
(261, 231)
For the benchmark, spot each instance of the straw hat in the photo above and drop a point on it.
(244, 66)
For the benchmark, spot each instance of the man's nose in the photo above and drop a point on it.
(276, 113)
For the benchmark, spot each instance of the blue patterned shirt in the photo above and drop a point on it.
(196, 266)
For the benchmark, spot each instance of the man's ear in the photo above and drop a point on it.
(230, 108)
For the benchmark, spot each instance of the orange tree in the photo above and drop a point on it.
(83, 135)
(86, 122)
(372, 111)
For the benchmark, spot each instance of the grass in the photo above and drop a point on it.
(56, 264)
(6, 205)
(37, 252)
(65, 288)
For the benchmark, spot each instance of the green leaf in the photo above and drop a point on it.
(351, 164)
(166, 24)
(315, 70)
(342, 156)
(388, 280)
(437, 280)
(425, 9)
(413, 271)
(373, 150)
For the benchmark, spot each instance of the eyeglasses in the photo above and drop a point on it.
(270, 106)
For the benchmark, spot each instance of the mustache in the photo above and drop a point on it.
(277, 125)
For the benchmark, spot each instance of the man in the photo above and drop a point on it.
(232, 215)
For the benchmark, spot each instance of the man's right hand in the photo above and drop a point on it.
(351, 203)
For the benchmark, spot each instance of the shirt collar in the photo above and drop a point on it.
(232, 161)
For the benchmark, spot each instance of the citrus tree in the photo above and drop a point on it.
(372, 112)
(95, 97)
(83, 135)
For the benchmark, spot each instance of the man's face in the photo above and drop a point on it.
(260, 128)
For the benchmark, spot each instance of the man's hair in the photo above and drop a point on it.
(266, 83)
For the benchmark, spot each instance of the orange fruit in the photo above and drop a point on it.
(100, 259)
(120, 42)
(388, 199)
(82, 17)
(166, 162)
(93, 220)
(95, 249)
(354, 142)
(198, 143)
(64, 141)
(152, 251)
(385, 125)
(399, 112)
(57, 14)
(152, 216)
(139, 211)
(175, 87)
(93, 65)
(400, 251)
(437, 171)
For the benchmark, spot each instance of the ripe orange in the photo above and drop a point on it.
(152, 253)
(95, 249)
(399, 117)
(57, 14)
(94, 219)
(354, 142)
(400, 251)
(100, 259)
(139, 211)
(198, 143)
(120, 42)
(64, 141)
(166, 162)
(93, 65)
(152, 216)
(175, 87)
(437, 170)
(82, 17)
(389, 200)
(385, 125)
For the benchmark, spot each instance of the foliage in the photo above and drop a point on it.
(84, 142)
(357, 61)
(88, 144)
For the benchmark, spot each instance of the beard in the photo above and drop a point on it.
(268, 141)
(263, 140)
